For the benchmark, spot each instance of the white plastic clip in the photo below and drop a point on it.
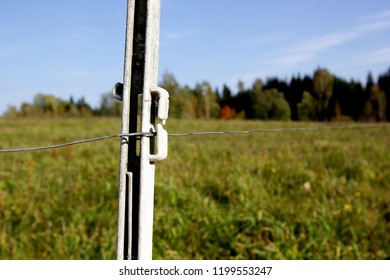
(162, 116)
(163, 103)
(162, 144)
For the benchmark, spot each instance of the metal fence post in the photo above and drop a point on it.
(139, 91)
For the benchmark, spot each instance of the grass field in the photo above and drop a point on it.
(287, 195)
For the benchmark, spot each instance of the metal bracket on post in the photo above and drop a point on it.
(138, 156)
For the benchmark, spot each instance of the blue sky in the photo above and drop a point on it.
(76, 47)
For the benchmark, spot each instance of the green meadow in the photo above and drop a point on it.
(321, 194)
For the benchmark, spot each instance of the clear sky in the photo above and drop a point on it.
(76, 47)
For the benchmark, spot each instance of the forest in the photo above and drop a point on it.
(321, 96)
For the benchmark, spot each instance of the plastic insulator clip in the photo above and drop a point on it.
(162, 116)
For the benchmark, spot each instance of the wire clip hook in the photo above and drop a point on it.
(162, 116)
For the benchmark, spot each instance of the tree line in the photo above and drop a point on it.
(321, 96)
(47, 105)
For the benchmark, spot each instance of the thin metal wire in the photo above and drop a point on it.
(328, 127)
(13, 150)
(200, 133)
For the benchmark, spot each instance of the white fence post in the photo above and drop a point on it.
(138, 156)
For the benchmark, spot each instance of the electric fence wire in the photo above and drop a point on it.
(200, 133)
(344, 126)
(55, 146)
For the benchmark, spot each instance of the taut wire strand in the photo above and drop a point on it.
(13, 150)
(328, 127)
(200, 133)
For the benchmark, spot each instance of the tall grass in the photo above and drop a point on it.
(287, 195)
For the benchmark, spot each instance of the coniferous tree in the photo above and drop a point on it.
(384, 84)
